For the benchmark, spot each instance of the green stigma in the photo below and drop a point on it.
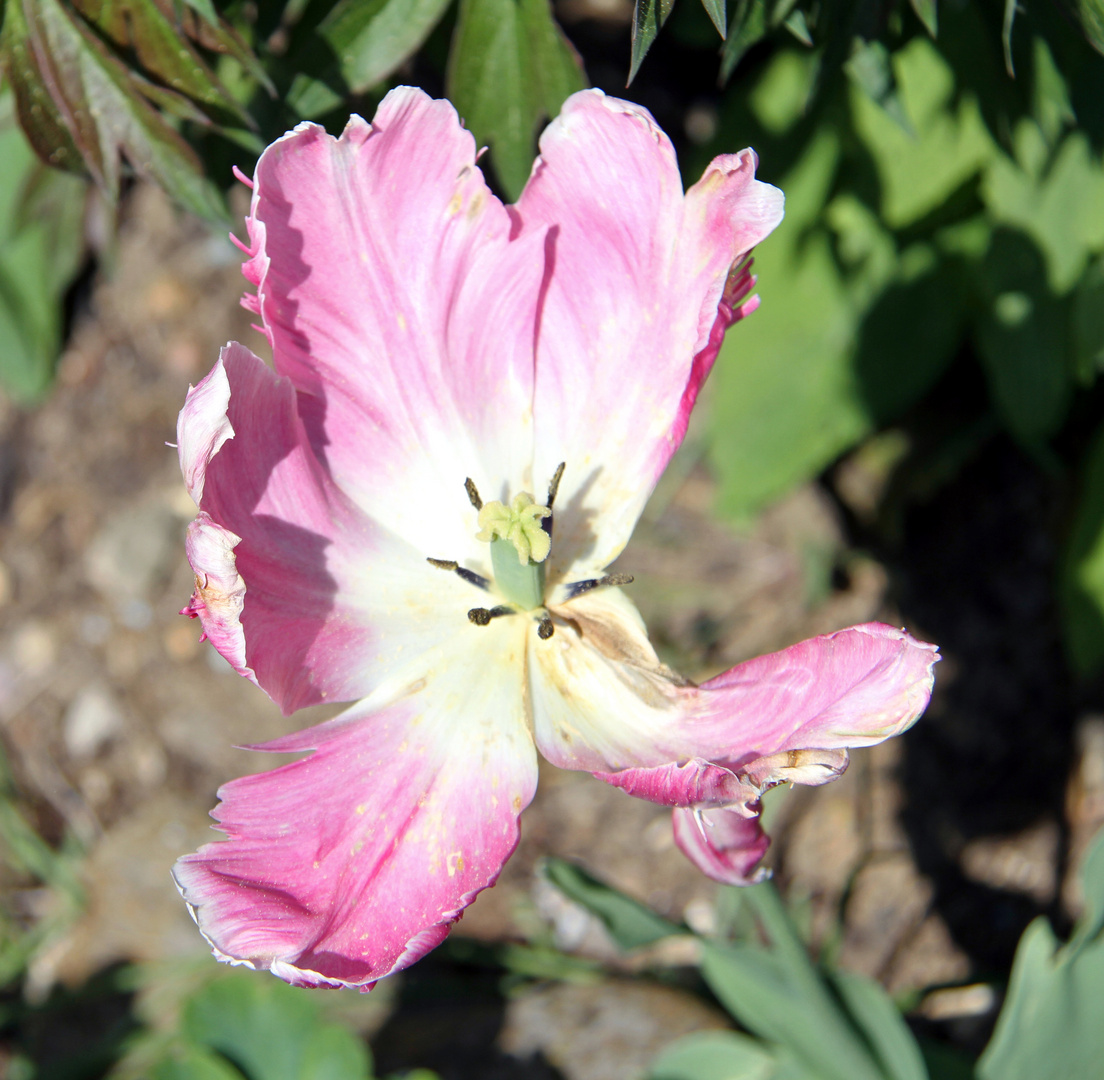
(519, 546)
(520, 524)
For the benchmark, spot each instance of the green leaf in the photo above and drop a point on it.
(41, 246)
(717, 10)
(908, 338)
(877, 1017)
(648, 17)
(1050, 1023)
(1088, 325)
(364, 42)
(777, 1001)
(925, 11)
(869, 69)
(785, 400)
(57, 64)
(749, 26)
(1021, 338)
(1082, 580)
(272, 1031)
(630, 924)
(1010, 9)
(194, 1063)
(205, 9)
(162, 51)
(714, 1055)
(510, 66)
(951, 144)
(1063, 211)
(797, 25)
(1092, 22)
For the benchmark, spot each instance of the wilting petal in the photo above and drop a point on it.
(723, 844)
(396, 302)
(296, 587)
(353, 861)
(603, 702)
(634, 294)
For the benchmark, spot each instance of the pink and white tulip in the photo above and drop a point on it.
(423, 334)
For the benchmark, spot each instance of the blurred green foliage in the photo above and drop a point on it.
(808, 1022)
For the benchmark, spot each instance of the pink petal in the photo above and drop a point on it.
(603, 702)
(722, 844)
(397, 304)
(295, 586)
(635, 307)
(353, 862)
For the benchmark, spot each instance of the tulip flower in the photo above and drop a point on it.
(415, 512)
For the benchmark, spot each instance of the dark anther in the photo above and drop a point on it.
(481, 616)
(470, 576)
(554, 486)
(545, 629)
(577, 588)
(473, 493)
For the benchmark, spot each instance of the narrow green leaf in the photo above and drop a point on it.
(162, 51)
(925, 11)
(39, 115)
(205, 9)
(108, 117)
(772, 998)
(648, 17)
(717, 10)
(510, 66)
(1010, 9)
(713, 1055)
(630, 924)
(358, 44)
(879, 1020)
(1092, 22)
(796, 24)
(749, 26)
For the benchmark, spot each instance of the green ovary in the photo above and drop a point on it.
(519, 546)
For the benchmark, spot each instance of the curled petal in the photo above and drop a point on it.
(629, 325)
(219, 595)
(603, 702)
(400, 308)
(690, 783)
(353, 862)
(723, 844)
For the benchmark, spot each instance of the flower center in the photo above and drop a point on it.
(519, 546)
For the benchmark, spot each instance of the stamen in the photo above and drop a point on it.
(577, 588)
(470, 576)
(545, 629)
(481, 615)
(554, 486)
(473, 493)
